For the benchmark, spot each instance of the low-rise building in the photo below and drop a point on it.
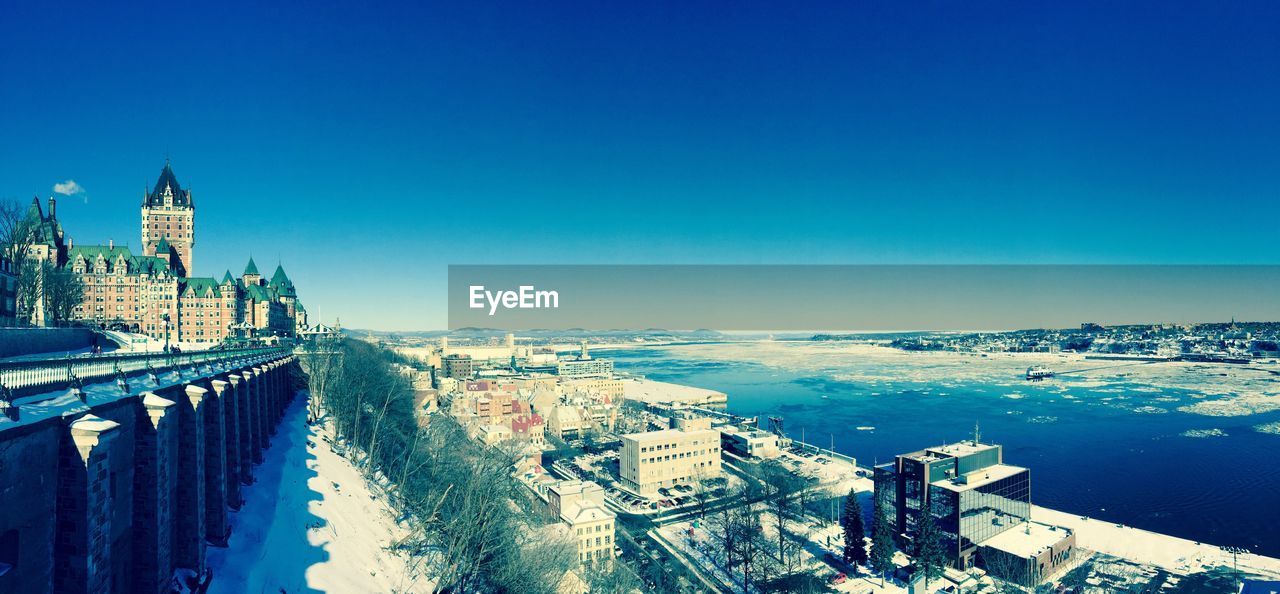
(593, 527)
(656, 459)
(565, 422)
(580, 504)
(749, 443)
(1028, 554)
(494, 434)
(605, 386)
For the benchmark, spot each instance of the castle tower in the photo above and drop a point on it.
(168, 215)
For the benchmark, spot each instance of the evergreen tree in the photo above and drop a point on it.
(927, 551)
(855, 545)
(882, 545)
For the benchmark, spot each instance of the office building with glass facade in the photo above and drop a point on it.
(967, 490)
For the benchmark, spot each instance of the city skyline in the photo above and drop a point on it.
(570, 134)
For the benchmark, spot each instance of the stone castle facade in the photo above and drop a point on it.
(154, 292)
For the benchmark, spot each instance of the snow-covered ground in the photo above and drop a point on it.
(310, 524)
(1171, 553)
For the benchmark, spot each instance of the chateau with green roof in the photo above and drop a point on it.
(153, 291)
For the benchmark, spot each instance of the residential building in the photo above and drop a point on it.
(584, 368)
(656, 459)
(580, 504)
(593, 527)
(565, 422)
(566, 493)
(457, 366)
(493, 434)
(603, 386)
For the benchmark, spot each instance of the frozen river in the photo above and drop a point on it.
(1182, 449)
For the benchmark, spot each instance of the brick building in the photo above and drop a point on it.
(154, 292)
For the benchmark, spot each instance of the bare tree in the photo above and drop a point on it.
(1010, 573)
(63, 293)
(18, 233)
(782, 490)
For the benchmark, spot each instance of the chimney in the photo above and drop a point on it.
(111, 244)
(53, 208)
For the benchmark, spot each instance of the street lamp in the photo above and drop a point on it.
(164, 324)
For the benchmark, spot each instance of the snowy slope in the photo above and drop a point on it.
(309, 525)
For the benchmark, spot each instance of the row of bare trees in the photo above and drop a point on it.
(472, 528)
(42, 285)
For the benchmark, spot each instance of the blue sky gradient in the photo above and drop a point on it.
(369, 146)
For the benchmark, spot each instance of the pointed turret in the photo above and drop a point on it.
(167, 185)
(279, 277)
(251, 277)
(281, 284)
(228, 279)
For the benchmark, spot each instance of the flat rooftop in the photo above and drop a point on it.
(665, 434)
(963, 448)
(955, 450)
(1027, 539)
(978, 478)
(747, 433)
(656, 392)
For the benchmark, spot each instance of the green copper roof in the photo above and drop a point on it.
(227, 278)
(258, 293)
(279, 277)
(251, 268)
(281, 284)
(201, 287)
(151, 265)
(163, 246)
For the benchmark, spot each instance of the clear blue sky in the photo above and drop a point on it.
(367, 147)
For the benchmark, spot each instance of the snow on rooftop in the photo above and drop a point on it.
(656, 392)
(978, 478)
(585, 511)
(1027, 539)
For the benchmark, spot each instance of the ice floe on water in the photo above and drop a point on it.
(1269, 428)
(1150, 410)
(865, 428)
(1238, 405)
(1043, 419)
(1204, 433)
(1015, 395)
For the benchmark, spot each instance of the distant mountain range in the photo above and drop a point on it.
(471, 332)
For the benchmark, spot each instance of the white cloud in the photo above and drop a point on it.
(68, 188)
